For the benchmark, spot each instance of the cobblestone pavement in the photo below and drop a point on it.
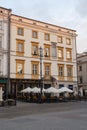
(51, 116)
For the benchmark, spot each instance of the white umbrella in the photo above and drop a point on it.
(36, 90)
(26, 90)
(52, 90)
(65, 89)
(43, 90)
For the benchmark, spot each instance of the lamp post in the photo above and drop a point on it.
(41, 87)
(8, 56)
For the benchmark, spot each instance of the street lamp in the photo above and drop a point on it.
(8, 57)
(41, 86)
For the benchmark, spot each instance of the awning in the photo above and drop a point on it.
(3, 81)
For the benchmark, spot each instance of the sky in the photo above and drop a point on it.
(65, 13)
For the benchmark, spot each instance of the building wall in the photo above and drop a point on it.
(82, 74)
(26, 59)
(4, 35)
(42, 28)
(4, 14)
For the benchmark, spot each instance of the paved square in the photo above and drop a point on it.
(51, 116)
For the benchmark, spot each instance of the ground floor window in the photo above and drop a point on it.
(47, 86)
(61, 85)
(70, 87)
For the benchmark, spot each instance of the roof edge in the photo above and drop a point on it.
(44, 22)
(5, 8)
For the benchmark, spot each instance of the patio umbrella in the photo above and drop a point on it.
(65, 89)
(26, 90)
(43, 90)
(36, 90)
(52, 90)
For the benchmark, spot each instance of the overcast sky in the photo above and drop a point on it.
(66, 13)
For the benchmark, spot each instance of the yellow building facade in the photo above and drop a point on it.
(59, 54)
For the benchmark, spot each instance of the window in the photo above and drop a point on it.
(20, 31)
(60, 52)
(80, 68)
(61, 85)
(34, 34)
(20, 47)
(69, 54)
(19, 68)
(35, 69)
(47, 70)
(68, 41)
(47, 67)
(59, 39)
(54, 53)
(70, 87)
(47, 36)
(0, 42)
(81, 80)
(46, 50)
(34, 49)
(0, 24)
(69, 71)
(60, 70)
